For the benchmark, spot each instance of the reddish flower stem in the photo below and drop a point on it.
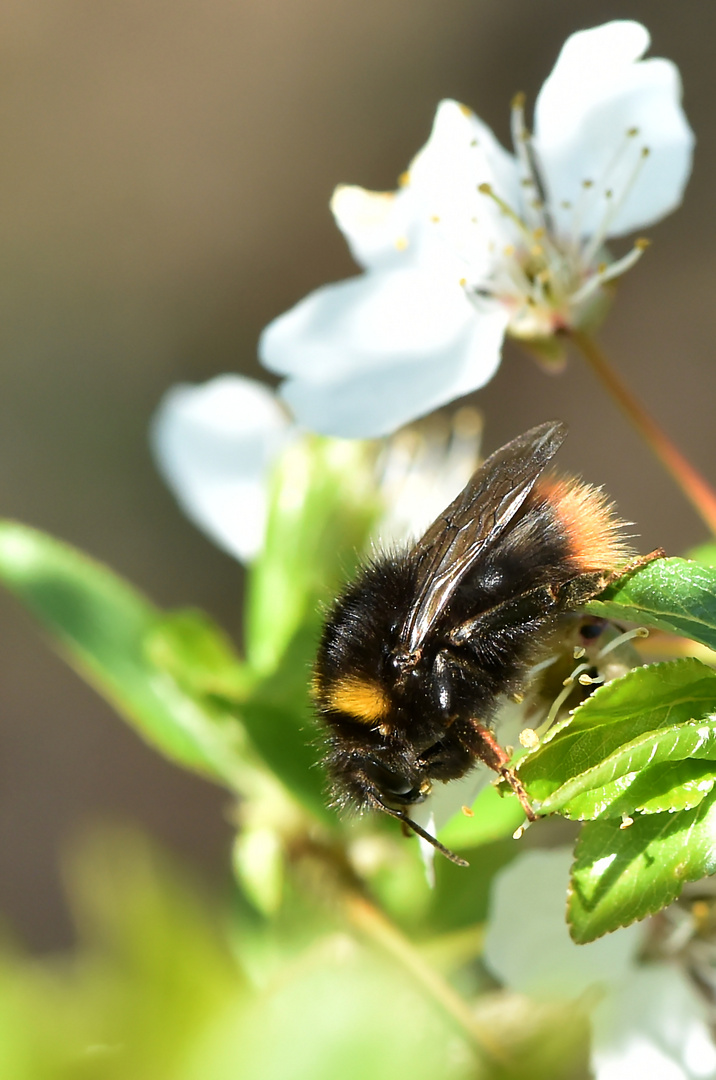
(696, 489)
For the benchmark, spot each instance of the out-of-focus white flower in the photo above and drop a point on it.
(648, 1022)
(214, 445)
(478, 242)
(421, 469)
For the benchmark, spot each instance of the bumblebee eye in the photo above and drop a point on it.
(393, 784)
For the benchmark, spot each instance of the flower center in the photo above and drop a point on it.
(551, 274)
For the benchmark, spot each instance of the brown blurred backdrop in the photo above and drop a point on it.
(164, 180)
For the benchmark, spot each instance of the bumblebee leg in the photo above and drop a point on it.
(515, 612)
(498, 760)
(456, 674)
(579, 590)
(636, 564)
(575, 593)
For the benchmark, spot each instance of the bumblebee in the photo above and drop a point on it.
(420, 649)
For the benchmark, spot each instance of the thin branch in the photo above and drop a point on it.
(337, 879)
(696, 489)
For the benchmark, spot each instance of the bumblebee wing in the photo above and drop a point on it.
(474, 520)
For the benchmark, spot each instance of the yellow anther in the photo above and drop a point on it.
(529, 739)
(466, 110)
(401, 243)
(602, 268)
(435, 218)
(518, 101)
(632, 132)
(537, 250)
(463, 282)
(527, 181)
(609, 194)
(508, 251)
(642, 243)
(539, 232)
(474, 142)
(645, 151)
(404, 179)
(467, 811)
(485, 189)
(566, 204)
(700, 913)
(587, 184)
(473, 220)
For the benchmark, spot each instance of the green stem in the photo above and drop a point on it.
(371, 921)
(339, 881)
(696, 489)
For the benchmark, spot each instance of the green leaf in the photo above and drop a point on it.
(461, 896)
(199, 655)
(657, 713)
(621, 875)
(670, 785)
(280, 720)
(274, 712)
(285, 740)
(614, 776)
(101, 625)
(670, 594)
(323, 503)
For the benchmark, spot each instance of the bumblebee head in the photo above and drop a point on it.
(381, 780)
(365, 769)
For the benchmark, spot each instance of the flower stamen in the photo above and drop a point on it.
(615, 205)
(608, 271)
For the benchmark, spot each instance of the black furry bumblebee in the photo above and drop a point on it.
(418, 651)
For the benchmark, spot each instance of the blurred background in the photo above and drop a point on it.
(164, 186)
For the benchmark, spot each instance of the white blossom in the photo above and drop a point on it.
(478, 242)
(216, 443)
(648, 1021)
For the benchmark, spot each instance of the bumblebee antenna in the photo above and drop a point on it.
(402, 816)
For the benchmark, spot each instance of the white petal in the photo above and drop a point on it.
(528, 944)
(598, 91)
(214, 445)
(422, 469)
(439, 219)
(378, 225)
(653, 1026)
(460, 155)
(370, 354)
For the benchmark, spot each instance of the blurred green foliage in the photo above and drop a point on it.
(333, 958)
